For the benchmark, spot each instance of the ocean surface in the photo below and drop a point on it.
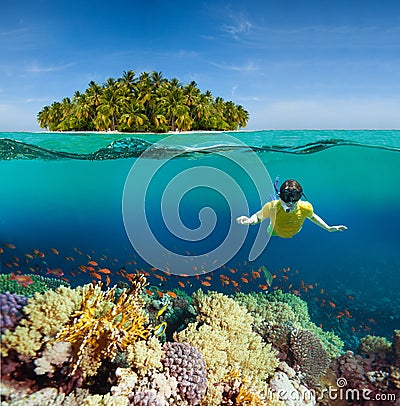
(109, 198)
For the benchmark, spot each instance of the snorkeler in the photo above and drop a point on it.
(288, 213)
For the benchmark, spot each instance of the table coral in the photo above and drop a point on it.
(40, 284)
(102, 326)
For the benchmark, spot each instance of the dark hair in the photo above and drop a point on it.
(291, 184)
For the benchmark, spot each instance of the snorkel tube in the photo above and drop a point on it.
(276, 195)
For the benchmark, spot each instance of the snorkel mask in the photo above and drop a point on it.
(289, 199)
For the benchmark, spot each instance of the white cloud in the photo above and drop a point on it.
(34, 68)
(249, 67)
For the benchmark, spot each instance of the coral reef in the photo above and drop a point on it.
(224, 336)
(375, 372)
(52, 358)
(11, 306)
(187, 366)
(40, 285)
(90, 346)
(308, 354)
(275, 309)
(101, 326)
(46, 314)
(145, 356)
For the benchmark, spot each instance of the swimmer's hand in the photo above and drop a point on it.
(332, 229)
(248, 221)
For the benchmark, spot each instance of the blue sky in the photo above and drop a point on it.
(291, 64)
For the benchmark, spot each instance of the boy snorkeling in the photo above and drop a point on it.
(288, 213)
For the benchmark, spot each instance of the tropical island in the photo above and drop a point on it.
(148, 103)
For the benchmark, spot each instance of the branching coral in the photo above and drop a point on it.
(145, 356)
(224, 336)
(275, 309)
(46, 314)
(102, 326)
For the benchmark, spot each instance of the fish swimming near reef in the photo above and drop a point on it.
(267, 274)
(23, 280)
(162, 310)
(160, 329)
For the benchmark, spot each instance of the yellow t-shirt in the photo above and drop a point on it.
(283, 224)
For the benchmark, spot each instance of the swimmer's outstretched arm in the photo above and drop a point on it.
(254, 219)
(319, 222)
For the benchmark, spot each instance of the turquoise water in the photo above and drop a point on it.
(65, 191)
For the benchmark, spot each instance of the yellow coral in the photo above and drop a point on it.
(102, 325)
(46, 314)
(224, 336)
(145, 356)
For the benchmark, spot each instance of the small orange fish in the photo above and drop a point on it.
(332, 304)
(55, 272)
(245, 280)
(11, 246)
(108, 280)
(94, 263)
(160, 294)
(96, 275)
(104, 270)
(181, 284)
(348, 314)
(172, 294)
(149, 292)
(23, 280)
(205, 283)
(56, 252)
(263, 287)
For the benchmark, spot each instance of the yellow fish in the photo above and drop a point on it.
(161, 311)
(160, 329)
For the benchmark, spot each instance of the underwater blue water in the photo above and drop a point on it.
(65, 191)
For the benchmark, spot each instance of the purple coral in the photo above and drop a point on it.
(11, 310)
(146, 398)
(187, 365)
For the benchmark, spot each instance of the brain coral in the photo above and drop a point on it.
(187, 365)
(224, 336)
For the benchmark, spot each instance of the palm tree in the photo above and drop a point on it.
(134, 118)
(147, 103)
